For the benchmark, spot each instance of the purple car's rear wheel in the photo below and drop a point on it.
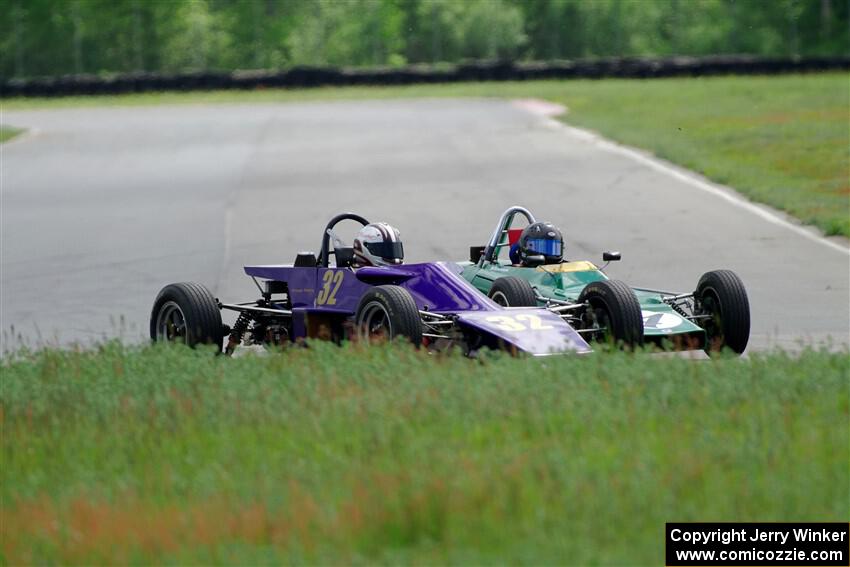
(170, 323)
(186, 313)
(387, 312)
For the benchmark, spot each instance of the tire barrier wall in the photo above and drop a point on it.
(301, 77)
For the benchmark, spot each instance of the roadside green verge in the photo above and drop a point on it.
(783, 141)
(339, 455)
(780, 140)
(7, 133)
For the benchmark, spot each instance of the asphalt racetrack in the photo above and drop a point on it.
(102, 207)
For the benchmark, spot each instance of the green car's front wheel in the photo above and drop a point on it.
(721, 301)
(511, 291)
(614, 311)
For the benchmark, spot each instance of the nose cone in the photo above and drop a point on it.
(534, 331)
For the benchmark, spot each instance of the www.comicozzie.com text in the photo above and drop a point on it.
(743, 534)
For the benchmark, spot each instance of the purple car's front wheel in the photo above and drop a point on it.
(375, 322)
(387, 312)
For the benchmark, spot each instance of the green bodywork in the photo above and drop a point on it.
(565, 282)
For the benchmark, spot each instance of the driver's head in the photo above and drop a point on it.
(378, 244)
(541, 239)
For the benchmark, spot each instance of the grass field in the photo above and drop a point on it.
(7, 133)
(334, 455)
(782, 140)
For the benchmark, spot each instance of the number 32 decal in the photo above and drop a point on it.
(518, 323)
(331, 281)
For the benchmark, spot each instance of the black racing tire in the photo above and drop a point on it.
(388, 311)
(613, 305)
(721, 294)
(186, 313)
(512, 291)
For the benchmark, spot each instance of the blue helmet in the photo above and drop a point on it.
(541, 239)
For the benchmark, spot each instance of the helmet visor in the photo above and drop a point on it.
(544, 246)
(386, 250)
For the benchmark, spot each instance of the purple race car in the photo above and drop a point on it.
(430, 304)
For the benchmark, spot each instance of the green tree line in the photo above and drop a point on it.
(55, 37)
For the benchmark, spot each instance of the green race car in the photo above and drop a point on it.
(716, 315)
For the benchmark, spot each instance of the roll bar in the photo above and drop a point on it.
(323, 255)
(507, 218)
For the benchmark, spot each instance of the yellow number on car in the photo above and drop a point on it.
(535, 323)
(331, 281)
(506, 323)
(513, 323)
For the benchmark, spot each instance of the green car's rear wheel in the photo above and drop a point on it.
(512, 291)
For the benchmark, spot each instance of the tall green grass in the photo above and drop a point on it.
(340, 455)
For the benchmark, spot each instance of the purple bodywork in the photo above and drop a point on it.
(436, 288)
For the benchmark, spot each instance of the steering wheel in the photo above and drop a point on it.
(326, 237)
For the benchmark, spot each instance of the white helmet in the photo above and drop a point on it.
(378, 244)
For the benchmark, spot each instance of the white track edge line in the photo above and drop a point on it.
(727, 194)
